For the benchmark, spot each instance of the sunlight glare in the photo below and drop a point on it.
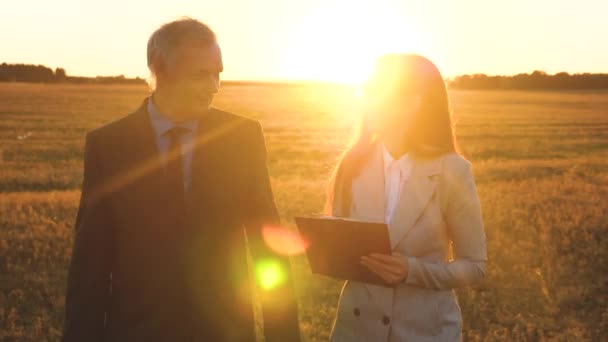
(269, 274)
(344, 50)
(283, 241)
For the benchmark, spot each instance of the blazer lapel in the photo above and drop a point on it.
(415, 194)
(145, 159)
(202, 163)
(209, 160)
(148, 172)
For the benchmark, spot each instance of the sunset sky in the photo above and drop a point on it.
(314, 39)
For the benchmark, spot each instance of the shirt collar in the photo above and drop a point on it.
(388, 159)
(161, 124)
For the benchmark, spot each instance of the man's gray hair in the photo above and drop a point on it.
(166, 39)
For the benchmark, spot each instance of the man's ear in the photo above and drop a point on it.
(162, 69)
(162, 74)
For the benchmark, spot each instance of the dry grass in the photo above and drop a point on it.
(540, 160)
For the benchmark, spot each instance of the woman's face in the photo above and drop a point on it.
(392, 112)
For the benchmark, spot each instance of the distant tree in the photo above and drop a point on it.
(40, 73)
(60, 75)
(538, 73)
(536, 80)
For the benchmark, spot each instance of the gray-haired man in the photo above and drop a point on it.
(160, 250)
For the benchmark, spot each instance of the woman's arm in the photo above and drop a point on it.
(465, 226)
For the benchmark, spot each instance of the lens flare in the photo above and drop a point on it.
(269, 274)
(283, 241)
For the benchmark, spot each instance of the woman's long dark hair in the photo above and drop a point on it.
(430, 136)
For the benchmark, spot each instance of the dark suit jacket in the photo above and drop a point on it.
(147, 269)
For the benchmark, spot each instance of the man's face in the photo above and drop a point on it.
(193, 77)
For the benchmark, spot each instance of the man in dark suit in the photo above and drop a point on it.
(172, 196)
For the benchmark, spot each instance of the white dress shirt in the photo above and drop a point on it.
(396, 172)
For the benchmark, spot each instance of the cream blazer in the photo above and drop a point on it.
(438, 209)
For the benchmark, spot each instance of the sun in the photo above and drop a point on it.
(339, 42)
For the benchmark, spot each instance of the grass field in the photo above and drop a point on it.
(540, 160)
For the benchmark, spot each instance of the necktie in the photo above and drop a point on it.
(174, 164)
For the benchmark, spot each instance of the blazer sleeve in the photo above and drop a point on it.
(465, 226)
(89, 275)
(279, 306)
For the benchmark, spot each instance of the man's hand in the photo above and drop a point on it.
(392, 268)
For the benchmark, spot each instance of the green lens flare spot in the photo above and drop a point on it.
(269, 274)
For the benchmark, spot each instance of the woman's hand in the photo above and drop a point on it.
(392, 268)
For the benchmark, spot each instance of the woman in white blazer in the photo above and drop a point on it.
(403, 169)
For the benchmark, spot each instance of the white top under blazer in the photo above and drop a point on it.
(396, 172)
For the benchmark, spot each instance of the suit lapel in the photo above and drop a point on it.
(415, 194)
(202, 162)
(147, 171)
(145, 159)
(209, 160)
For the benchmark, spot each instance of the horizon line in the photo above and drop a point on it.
(312, 80)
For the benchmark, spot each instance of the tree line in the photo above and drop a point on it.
(42, 74)
(535, 80)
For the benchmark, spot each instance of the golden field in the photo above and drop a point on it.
(540, 160)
